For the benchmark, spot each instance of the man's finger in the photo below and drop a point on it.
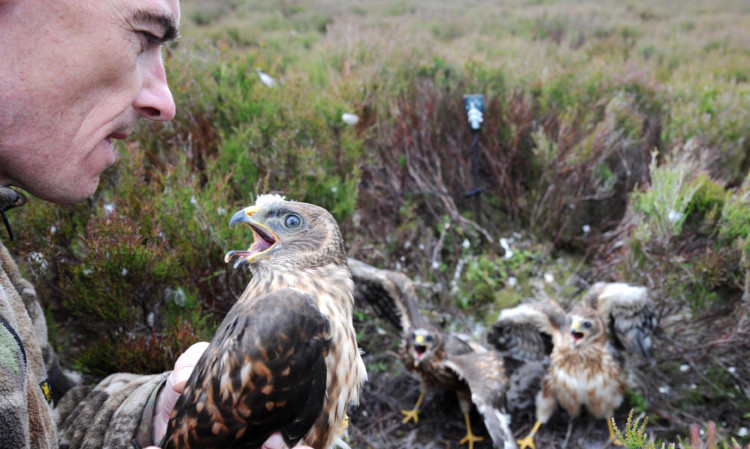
(276, 442)
(176, 381)
(273, 442)
(184, 365)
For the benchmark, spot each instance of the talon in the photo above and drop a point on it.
(344, 424)
(410, 414)
(526, 442)
(470, 438)
(617, 442)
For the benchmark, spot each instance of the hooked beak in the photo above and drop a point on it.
(263, 238)
(243, 216)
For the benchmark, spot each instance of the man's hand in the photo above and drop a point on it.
(172, 389)
(176, 381)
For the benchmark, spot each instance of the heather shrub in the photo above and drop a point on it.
(115, 256)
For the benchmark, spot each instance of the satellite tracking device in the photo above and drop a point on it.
(474, 104)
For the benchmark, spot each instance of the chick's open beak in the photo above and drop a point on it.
(419, 349)
(575, 331)
(263, 238)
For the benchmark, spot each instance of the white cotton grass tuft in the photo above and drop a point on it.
(265, 78)
(673, 216)
(505, 244)
(350, 119)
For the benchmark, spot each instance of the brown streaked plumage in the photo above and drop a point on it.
(585, 365)
(285, 358)
(442, 360)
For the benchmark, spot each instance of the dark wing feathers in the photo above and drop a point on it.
(524, 383)
(483, 372)
(265, 367)
(627, 311)
(391, 293)
(527, 332)
(457, 344)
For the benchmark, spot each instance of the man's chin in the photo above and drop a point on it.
(67, 193)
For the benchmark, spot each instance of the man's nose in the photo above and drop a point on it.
(154, 101)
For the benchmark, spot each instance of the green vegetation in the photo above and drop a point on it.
(634, 434)
(616, 142)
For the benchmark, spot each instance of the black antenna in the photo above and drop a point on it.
(474, 104)
(7, 226)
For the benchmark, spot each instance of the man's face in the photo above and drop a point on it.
(74, 75)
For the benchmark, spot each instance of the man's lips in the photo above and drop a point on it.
(119, 135)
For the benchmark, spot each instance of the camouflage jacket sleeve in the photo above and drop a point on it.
(117, 413)
(25, 418)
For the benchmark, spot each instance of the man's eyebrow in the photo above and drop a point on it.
(163, 21)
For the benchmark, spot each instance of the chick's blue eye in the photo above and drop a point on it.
(587, 324)
(292, 221)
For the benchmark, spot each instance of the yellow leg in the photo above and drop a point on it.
(413, 413)
(344, 424)
(529, 440)
(470, 437)
(615, 441)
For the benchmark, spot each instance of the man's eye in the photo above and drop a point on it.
(148, 40)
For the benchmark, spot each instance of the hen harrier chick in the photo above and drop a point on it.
(285, 357)
(442, 360)
(585, 364)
